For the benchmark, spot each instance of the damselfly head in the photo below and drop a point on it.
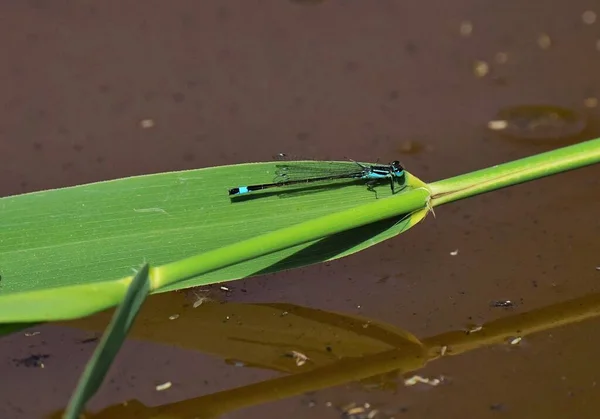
(397, 166)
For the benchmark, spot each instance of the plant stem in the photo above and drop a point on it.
(515, 172)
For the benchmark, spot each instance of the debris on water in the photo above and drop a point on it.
(29, 334)
(443, 350)
(147, 123)
(498, 125)
(164, 386)
(466, 28)
(502, 304)
(89, 340)
(590, 102)
(200, 297)
(235, 363)
(310, 403)
(589, 17)
(515, 340)
(474, 329)
(544, 41)
(226, 289)
(299, 357)
(35, 360)
(418, 379)
(355, 411)
(538, 122)
(174, 317)
(481, 68)
(454, 252)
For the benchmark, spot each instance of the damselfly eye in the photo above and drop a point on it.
(396, 165)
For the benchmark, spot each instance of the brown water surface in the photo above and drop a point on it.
(101, 90)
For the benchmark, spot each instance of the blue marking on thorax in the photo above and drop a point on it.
(243, 190)
(377, 175)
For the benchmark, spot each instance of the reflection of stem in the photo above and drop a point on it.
(407, 358)
(498, 331)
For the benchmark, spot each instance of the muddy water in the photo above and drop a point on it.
(182, 85)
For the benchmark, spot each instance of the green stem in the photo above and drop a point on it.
(515, 172)
(284, 238)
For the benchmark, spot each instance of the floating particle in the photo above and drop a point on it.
(443, 350)
(589, 17)
(474, 329)
(515, 341)
(299, 357)
(466, 28)
(147, 123)
(164, 386)
(590, 102)
(498, 125)
(36, 360)
(418, 379)
(454, 252)
(501, 57)
(200, 300)
(174, 317)
(481, 68)
(544, 41)
(201, 296)
(29, 334)
(354, 411)
(502, 304)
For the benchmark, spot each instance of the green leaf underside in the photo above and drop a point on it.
(100, 231)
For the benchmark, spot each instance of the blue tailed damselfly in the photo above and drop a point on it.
(295, 173)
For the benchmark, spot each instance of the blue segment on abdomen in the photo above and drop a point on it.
(243, 190)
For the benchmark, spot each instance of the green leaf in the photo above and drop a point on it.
(81, 238)
(61, 250)
(96, 369)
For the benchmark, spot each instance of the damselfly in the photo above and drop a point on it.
(295, 173)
